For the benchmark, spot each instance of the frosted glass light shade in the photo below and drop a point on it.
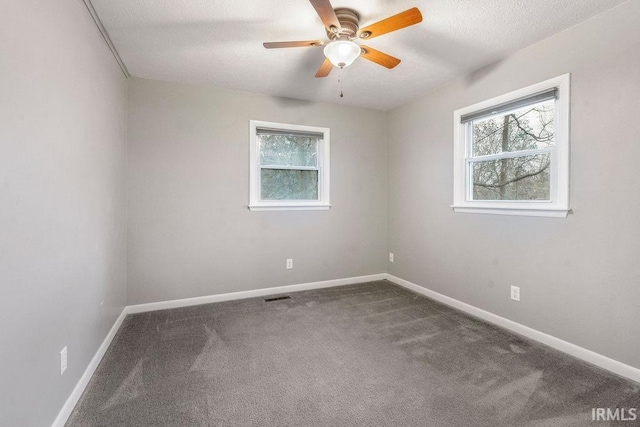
(342, 53)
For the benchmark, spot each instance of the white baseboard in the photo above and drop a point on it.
(163, 305)
(564, 346)
(71, 402)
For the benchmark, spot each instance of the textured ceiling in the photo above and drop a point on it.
(219, 42)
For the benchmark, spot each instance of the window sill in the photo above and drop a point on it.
(289, 207)
(504, 210)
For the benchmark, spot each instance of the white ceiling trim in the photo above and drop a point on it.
(105, 36)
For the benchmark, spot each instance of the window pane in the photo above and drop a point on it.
(528, 128)
(520, 178)
(287, 184)
(288, 150)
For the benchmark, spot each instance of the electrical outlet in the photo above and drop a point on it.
(515, 293)
(390, 256)
(289, 264)
(63, 360)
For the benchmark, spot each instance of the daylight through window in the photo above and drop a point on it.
(290, 166)
(512, 153)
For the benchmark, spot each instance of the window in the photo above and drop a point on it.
(289, 167)
(511, 153)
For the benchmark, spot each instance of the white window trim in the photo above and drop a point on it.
(255, 203)
(558, 206)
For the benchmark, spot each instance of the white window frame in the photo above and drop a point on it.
(257, 204)
(558, 206)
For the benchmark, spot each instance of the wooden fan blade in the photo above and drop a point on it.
(392, 23)
(379, 58)
(325, 68)
(326, 13)
(307, 43)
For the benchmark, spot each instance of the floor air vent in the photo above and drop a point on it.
(277, 298)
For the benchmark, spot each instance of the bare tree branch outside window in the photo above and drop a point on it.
(525, 177)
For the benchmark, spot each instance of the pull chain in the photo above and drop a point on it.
(340, 81)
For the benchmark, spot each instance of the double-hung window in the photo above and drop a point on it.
(289, 167)
(512, 153)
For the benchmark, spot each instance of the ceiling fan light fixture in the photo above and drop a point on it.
(342, 53)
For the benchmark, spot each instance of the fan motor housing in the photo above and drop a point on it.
(349, 21)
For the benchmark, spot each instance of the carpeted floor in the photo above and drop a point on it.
(370, 354)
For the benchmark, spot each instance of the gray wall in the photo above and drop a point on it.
(190, 232)
(579, 276)
(63, 255)
(62, 202)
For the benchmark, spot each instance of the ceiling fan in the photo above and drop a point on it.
(342, 26)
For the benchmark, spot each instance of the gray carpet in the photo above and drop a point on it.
(370, 354)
